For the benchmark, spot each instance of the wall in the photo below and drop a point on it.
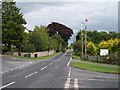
(39, 54)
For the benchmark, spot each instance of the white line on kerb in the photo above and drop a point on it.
(76, 83)
(69, 61)
(51, 63)
(7, 85)
(43, 68)
(30, 74)
(67, 84)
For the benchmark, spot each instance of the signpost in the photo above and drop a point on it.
(104, 52)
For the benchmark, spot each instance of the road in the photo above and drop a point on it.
(53, 73)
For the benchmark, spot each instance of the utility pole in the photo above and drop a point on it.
(86, 20)
(85, 41)
(82, 42)
(82, 26)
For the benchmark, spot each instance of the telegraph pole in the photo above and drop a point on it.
(85, 41)
(82, 24)
(86, 20)
(82, 42)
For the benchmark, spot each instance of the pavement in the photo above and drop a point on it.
(52, 73)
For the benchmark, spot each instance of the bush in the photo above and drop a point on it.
(29, 47)
(112, 59)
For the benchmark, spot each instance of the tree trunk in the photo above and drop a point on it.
(19, 50)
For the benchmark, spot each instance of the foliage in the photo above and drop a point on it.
(97, 37)
(29, 47)
(77, 46)
(12, 26)
(111, 44)
(61, 29)
(40, 38)
(91, 48)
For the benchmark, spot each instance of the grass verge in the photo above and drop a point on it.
(96, 67)
(38, 58)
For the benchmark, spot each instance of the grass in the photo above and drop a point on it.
(93, 66)
(38, 58)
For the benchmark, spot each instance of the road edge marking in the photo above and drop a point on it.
(7, 85)
(69, 61)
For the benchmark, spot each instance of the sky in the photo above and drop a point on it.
(101, 15)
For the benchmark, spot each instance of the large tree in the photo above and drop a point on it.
(12, 26)
(57, 28)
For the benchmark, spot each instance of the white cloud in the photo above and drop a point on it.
(101, 15)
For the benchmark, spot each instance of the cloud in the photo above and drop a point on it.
(101, 15)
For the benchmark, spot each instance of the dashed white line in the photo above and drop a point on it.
(62, 56)
(7, 85)
(30, 74)
(11, 69)
(16, 68)
(67, 84)
(69, 61)
(69, 72)
(43, 68)
(76, 84)
(5, 71)
(51, 63)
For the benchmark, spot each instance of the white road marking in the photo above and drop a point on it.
(16, 68)
(11, 69)
(43, 68)
(30, 74)
(5, 71)
(62, 56)
(69, 61)
(51, 63)
(67, 84)
(2, 72)
(7, 85)
(76, 84)
(69, 72)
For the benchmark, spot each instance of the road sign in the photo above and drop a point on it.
(104, 52)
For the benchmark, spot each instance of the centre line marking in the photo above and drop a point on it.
(7, 85)
(11, 69)
(76, 84)
(30, 74)
(62, 56)
(43, 68)
(67, 84)
(51, 63)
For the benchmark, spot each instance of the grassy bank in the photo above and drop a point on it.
(38, 58)
(93, 66)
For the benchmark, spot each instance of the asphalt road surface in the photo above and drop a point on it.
(52, 73)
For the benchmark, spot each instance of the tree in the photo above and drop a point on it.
(91, 48)
(12, 26)
(61, 29)
(40, 38)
